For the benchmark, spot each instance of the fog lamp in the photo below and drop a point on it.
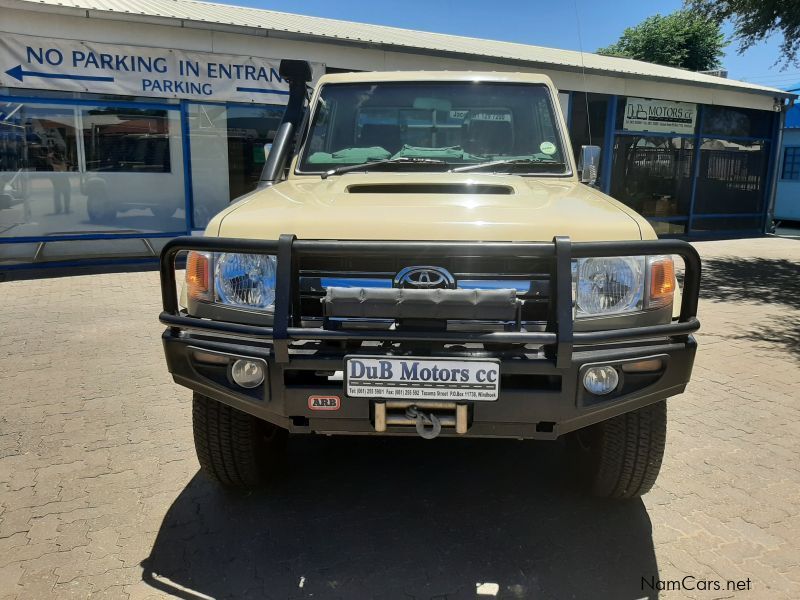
(600, 380)
(247, 373)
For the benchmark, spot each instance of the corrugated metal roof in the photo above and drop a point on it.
(212, 14)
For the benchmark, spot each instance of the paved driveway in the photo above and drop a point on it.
(100, 495)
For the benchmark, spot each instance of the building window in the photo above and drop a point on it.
(587, 125)
(124, 140)
(37, 138)
(652, 174)
(87, 170)
(228, 146)
(250, 130)
(791, 163)
(732, 177)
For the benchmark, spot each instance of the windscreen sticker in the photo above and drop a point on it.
(547, 148)
(487, 116)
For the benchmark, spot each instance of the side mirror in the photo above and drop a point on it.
(589, 164)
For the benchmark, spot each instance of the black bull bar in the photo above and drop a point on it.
(559, 339)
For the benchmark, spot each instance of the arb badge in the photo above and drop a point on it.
(324, 402)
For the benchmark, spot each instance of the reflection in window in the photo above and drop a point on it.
(249, 130)
(743, 122)
(668, 227)
(732, 177)
(791, 163)
(37, 138)
(653, 175)
(126, 140)
(392, 128)
(38, 157)
(74, 170)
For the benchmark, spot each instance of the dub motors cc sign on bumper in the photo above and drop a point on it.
(440, 378)
(72, 65)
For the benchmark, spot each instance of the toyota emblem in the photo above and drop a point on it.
(424, 278)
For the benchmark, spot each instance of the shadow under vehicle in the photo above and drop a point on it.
(396, 518)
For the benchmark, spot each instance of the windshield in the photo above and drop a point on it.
(509, 126)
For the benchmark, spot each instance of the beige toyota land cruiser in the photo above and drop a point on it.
(424, 257)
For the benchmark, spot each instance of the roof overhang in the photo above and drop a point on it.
(706, 81)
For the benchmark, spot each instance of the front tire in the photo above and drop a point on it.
(621, 457)
(235, 449)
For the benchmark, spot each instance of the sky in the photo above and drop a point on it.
(551, 23)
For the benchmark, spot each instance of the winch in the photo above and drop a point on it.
(428, 417)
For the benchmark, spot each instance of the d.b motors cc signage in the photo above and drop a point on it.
(642, 114)
(71, 65)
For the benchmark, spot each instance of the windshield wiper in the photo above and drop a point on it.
(511, 161)
(400, 160)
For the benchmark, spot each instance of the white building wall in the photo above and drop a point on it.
(787, 196)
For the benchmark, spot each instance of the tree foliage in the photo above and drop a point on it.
(755, 20)
(685, 39)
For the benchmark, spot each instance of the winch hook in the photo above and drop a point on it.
(423, 421)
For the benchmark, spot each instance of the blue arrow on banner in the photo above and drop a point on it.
(261, 91)
(19, 74)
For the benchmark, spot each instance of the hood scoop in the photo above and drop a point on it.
(430, 188)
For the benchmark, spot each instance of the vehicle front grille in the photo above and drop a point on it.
(530, 278)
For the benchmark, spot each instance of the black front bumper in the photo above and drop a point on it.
(541, 395)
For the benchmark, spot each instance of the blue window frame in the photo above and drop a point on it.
(791, 163)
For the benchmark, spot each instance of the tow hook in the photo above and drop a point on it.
(423, 421)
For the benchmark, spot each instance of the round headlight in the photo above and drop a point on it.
(610, 285)
(246, 280)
